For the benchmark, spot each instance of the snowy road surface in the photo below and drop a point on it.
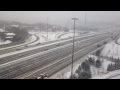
(37, 47)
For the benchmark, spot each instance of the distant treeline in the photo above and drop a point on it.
(2, 36)
(37, 26)
(20, 34)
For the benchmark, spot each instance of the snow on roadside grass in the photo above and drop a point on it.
(68, 35)
(94, 71)
(68, 73)
(111, 50)
(5, 42)
(107, 75)
(118, 41)
(2, 30)
(105, 65)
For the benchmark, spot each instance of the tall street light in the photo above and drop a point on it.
(74, 19)
(85, 18)
(47, 28)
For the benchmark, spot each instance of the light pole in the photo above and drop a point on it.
(74, 19)
(47, 28)
(85, 18)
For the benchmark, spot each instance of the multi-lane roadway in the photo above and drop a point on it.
(47, 58)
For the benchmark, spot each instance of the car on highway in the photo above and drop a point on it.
(38, 43)
(19, 49)
(26, 45)
(45, 49)
(105, 42)
(21, 55)
(98, 45)
(57, 45)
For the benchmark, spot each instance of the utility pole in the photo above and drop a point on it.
(74, 19)
(85, 18)
(47, 28)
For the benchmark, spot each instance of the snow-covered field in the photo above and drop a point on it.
(68, 35)
(111, 50)
(51, 35)
(55, 35)
(1, 30)
(41, 40)
(5, 42)
(107, 75)
(96, 72)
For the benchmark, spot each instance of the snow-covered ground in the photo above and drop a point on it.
(107, 75)
(10, 34)
(1, 30)
(41, 40)
(51, 35)
(31, 39)
(118, 41)
(96, 72)
(68, 35)
(111, 50)
(5, 42)
(54, 35)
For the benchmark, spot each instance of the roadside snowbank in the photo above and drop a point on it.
(68, 35)
(111, 50)
(118, 41)
(5, 42)
(1, 30)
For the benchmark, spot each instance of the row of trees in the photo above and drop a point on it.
(115, 66)
(20, 34)
(114, 59)
(84, 71)
(2, 36)
(96, 63)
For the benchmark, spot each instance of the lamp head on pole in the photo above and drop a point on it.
(74, 18)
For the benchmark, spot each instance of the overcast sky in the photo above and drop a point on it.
(60, 17)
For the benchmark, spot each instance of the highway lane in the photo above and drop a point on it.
(26, 45)
(61, 64)
(18, 55)
(16, 69)
(14, 48)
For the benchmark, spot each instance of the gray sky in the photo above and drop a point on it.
(60, 17)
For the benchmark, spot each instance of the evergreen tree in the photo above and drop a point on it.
(73, 77)
(85, 66)
(98, 64)
(85, 75)
(91, 61)
(98, 53)
(79, 70)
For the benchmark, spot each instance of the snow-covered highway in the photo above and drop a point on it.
(36, 61)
